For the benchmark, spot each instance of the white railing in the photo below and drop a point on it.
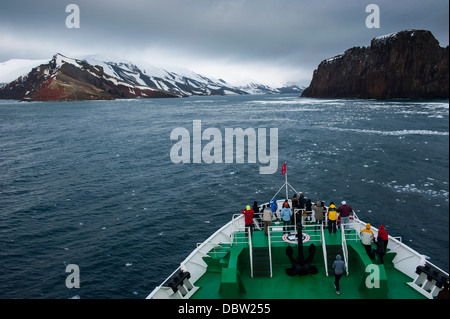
(291, 229)
(270, 251)
(344, 247)
(250, 246)
(212, 250)
(278, 228)
(324, 249)
(353, 236)
(237, 225)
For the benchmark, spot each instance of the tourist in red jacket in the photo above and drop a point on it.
(248, 212)
(384, 236)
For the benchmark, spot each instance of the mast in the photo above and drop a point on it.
(287, 197)
(284, 172)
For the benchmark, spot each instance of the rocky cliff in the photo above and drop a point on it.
(406, 64)
(66, 79)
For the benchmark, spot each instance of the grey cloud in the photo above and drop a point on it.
(291, 33)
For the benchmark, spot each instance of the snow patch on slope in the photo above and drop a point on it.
(15, 68)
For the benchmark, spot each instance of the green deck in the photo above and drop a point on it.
(229, 274)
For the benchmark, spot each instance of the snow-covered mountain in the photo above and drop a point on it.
(68, 79)
(177, 80)
(254, 87)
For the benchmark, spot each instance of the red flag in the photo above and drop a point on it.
(283, 169)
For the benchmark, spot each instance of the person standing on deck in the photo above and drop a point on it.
(318, 213)
(366, 239)
(308, 210)
(339, 267)
(256, 210)
(248, 212)
(345, 211)
(286, 213)
(384, 236)
(274, 207)
(267, 219)
(381, 250)
(332, 218)
(301, 202)
(294, 207)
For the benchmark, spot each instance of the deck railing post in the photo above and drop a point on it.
(344, 247)
(324, 248)
(250, 248)
(270, 249)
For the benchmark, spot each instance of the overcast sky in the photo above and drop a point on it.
(265, 40)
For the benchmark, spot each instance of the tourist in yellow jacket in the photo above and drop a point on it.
(332, 218)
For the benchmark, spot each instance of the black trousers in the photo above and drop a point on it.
(369, 251)
(337, 277)
(332, 226)
(250, 229)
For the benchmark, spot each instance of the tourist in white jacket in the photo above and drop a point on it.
(366, 239)
(267, 218)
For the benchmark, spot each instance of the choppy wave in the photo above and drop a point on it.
(413, 188)
(391, 133)
(297, 101)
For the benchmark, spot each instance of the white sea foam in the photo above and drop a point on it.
(303, 101)
(391, 133)
(412, 188)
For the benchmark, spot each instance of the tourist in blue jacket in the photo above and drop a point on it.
(286, 214)
(274, 207)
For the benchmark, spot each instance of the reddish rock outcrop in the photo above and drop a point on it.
(66, 79)
(407, 64)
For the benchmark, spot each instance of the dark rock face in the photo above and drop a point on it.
(65, 79)
(407, 64)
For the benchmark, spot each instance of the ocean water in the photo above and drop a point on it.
(92, 183)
